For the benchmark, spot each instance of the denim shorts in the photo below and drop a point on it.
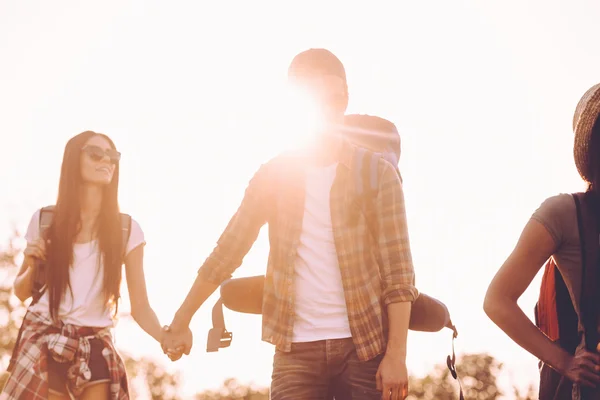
(57, 372)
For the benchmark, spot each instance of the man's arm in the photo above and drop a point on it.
(396, 267)
(398, 279)
(232, 247)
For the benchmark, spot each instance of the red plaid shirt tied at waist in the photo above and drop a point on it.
(41, 338)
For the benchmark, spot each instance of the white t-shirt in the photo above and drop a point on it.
(320, 305)
(86, 306)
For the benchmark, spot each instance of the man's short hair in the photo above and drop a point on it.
(316, 61)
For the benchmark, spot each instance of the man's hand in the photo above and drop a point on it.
(392, 377)
(175, 343)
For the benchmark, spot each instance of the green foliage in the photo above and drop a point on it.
(477, 371)
(11, 309)
(152, 379)
(233, 390)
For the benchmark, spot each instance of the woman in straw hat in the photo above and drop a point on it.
(553, 232)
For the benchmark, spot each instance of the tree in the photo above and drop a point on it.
(11, 309)
(478, 374)
(530, 395)
(233, 390)
(148, 376)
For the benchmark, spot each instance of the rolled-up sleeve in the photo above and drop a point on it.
(397, 272)
(241, 232)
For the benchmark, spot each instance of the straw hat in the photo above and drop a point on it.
(586, 114)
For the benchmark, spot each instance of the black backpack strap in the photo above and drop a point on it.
(568, 335)
(588, 218)
(367, 187)
(39, 278)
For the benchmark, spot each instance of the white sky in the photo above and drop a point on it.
(482, 93)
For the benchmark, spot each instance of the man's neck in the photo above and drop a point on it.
(326, 150)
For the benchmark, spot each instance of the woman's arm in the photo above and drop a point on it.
(534, 247)
(24, 281)
(23, 285)
(141, 311)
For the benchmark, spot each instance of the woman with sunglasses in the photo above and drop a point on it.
(65, 349)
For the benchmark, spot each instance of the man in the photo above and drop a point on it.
(336, 304)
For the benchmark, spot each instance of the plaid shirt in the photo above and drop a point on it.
(372, 276)
(65, 343)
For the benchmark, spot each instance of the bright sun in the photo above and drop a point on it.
(298, 116)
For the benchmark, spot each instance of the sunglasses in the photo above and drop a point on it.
(97, 154)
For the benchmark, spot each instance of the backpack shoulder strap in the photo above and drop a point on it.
(46, 216)
(359, 159)
(125, 230)
(587, 220)
(366, 177)
(564, 319)
(374, 172)
(39, 279)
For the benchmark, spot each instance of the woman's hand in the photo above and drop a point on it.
(583, 368)
(34, 251)
(175, 344)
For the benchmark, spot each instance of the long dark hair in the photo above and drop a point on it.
(66, 225)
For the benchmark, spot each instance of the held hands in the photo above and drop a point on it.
(392, 377)
(176, 342)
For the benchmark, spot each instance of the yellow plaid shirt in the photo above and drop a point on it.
(373, 274)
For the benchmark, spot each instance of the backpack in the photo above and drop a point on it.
(374, 134)
(554, 313)
(39, 278)
(375, 138)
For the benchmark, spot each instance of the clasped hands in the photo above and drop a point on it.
(176, 341)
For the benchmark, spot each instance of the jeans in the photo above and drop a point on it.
(324, 370)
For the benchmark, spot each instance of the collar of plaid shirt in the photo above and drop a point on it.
(65, 343)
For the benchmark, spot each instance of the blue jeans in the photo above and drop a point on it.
(323, 370)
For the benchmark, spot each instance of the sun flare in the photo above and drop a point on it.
(300, 117)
